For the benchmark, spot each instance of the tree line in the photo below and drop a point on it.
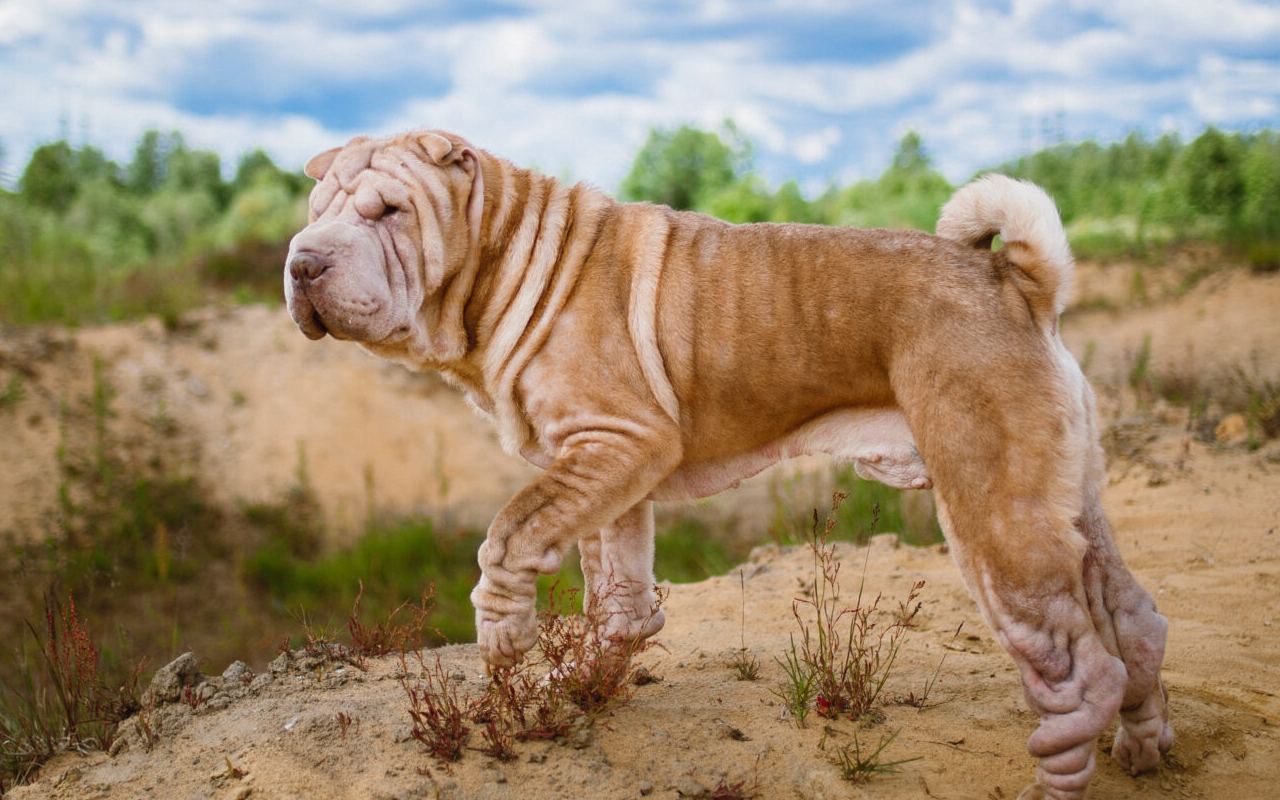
(1222, 188)
(84, 238)
(87, 239)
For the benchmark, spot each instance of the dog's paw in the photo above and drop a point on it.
(506, 623)
(504, 640)
(1137, 753)
(627, 629)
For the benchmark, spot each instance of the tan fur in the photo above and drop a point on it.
(637, 352)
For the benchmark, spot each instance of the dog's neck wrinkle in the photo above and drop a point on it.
(536, 234)
(513, 191)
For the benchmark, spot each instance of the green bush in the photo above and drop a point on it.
(396, 562)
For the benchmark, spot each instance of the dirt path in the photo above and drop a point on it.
(1205, 541)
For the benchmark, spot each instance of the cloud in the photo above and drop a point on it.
(823, 88)
(813, 148)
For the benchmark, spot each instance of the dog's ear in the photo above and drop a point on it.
(438, 148)
(319, 165)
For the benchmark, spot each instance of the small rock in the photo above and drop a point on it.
(689, 786)
(169, 681)
(643, 677)
(1232, 430)
(495, 775)
(887, 541)
(218, 702)
(279, 664)
(237, 674)
(537, 758)
(449, 790)
(259, 682)
(458, 676)
(310, 663)
(405, 733)
(242, 793)
(646, 788)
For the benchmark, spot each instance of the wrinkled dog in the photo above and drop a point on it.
(636, 353)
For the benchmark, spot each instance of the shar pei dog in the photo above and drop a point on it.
(636, 353)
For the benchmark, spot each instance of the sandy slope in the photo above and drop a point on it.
(1204, 540)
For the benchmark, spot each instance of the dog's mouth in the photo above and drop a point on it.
(317, 329)
(305, 314)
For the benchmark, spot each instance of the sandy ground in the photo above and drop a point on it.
(1204, 541)
(1201, 323)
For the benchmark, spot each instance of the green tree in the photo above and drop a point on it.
(683, 168)
(1260, 212)
(910, 157)
(49, 181)
(252, 164)
(745, 200)
(1211, 171)
(149, 168)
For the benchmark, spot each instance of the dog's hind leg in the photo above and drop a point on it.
(1007, 470)
(617, 565)
(1126, 618)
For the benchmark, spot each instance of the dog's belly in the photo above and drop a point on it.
(877, 441)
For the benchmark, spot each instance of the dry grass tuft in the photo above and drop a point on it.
(858, 766)
(437, 709)
(746, 667)
(843, 654)
(392, 635)
(61, 699)
(572, 676)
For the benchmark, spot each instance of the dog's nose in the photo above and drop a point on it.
(306, 266)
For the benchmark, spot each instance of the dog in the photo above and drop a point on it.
(636, 353)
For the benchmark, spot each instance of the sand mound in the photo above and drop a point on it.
(1203, 539)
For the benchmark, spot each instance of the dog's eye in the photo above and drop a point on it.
(388, 212)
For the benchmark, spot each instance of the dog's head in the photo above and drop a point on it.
(393, 223)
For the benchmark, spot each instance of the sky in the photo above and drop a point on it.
(823, 89)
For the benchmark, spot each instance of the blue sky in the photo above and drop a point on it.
(824, 89)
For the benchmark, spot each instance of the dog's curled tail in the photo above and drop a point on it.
(1035, 244)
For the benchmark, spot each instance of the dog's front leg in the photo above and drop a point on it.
(597, 476)
(617, 564)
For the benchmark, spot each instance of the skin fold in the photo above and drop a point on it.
(636, 353)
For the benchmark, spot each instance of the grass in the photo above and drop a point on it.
(62, 696)
(841, 654)
(921, 701)
(860, 766)
(746, 667)
(437, 710)
(800, 686)
(394, 561)
(1209, 397)
(791, 526)
(565, 683)
(13, 393)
